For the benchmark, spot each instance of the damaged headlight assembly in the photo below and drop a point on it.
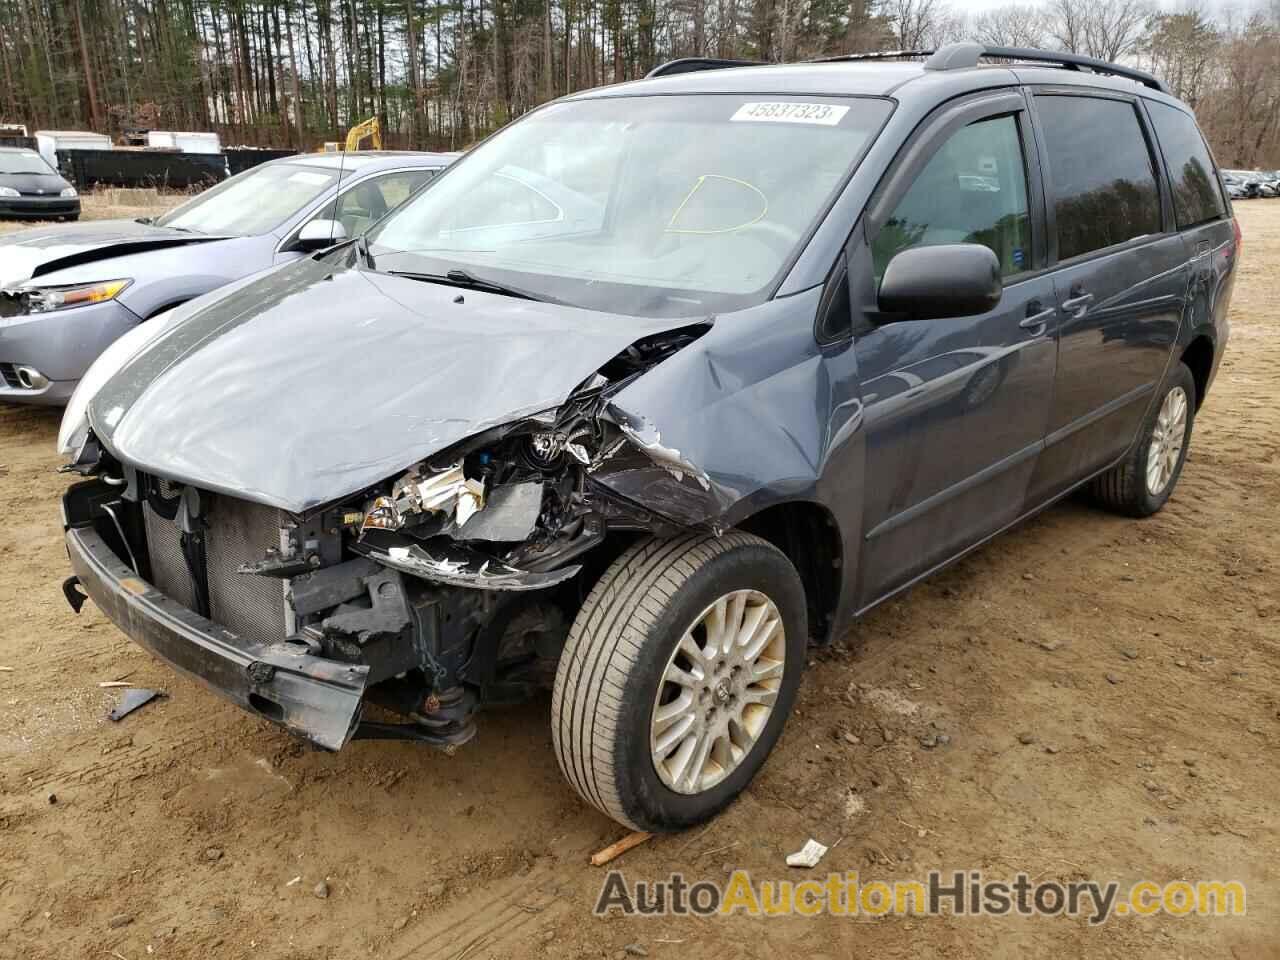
(478, 516)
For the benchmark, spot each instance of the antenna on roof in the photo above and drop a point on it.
(333, 220)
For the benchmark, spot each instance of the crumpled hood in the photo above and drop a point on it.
(316, 380)
(31, 253)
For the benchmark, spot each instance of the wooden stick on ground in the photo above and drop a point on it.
(615, 850)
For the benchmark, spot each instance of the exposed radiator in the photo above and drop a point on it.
(168, 569)
(238, 532)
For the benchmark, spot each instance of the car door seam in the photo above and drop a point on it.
(1108, 408)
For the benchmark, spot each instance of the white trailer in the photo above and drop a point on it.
(187, 142)
(49, 142)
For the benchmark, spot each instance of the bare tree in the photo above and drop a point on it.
(1017, 25)
(444, 72)
(1182, 49)
(1106, 29)
(913, 22)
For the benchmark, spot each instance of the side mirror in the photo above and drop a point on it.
(319, 234)
(945, 280)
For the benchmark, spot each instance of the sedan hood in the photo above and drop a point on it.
(315, 381)
(41, 184)
(32, 253)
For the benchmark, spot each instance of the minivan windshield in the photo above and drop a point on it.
(653, 206)
(254, 202)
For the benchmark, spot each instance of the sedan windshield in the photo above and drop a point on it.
(255, 202)
(646, 206)
(23, 161)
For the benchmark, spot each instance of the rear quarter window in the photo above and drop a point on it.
(1197, 196)
(1102, 181)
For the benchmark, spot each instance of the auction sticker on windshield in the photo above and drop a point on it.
(826, 114)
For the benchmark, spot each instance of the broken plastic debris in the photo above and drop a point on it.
(458, 564)
(511, 514)
(383, 514)
(807, 856)
(132, 700)
(470, 500)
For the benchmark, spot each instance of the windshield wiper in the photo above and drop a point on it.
(457, 277)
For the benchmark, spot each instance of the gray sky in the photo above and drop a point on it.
(1216, 6)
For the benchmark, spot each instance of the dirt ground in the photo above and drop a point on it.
(1141, 660)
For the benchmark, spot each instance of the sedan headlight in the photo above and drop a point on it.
(69, 193)
(45, 299)
(9, 192)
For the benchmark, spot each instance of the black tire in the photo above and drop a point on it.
(1123, 488)
(618, 650)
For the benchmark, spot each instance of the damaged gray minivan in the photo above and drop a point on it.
(651, 389)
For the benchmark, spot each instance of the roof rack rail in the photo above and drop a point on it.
(694, 64)
(959, 56)
(874, 55)
(954, 56)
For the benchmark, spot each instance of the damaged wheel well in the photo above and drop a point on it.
(807, 533)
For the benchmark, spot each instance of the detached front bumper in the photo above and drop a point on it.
(315, 698)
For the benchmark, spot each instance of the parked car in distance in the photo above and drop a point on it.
(655, 386)
(1238, 187)
(66, 293)
(1251, 183)
(30, 188)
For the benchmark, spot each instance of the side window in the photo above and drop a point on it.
(1197, 196)
(366, 203)
(1101, 179)
(973, 190)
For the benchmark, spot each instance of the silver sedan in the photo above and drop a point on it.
(67, 292)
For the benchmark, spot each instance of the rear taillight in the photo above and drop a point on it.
(1235, 226)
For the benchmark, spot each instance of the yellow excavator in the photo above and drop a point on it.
(370, 130)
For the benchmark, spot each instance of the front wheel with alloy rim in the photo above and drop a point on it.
(1142, 482)
(677, 678)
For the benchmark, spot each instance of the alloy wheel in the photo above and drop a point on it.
(1167, 438)
(718, 691)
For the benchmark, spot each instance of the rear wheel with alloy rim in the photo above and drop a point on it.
(1141, 483)
(1167, 441)
(677, 678)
